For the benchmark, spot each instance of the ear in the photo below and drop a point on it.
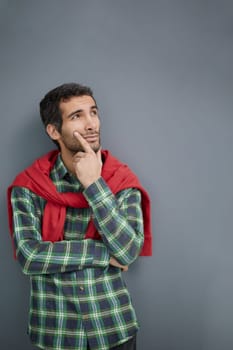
(52, 132)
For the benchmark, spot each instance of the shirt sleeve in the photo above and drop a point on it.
(42, 257)
(118, 218)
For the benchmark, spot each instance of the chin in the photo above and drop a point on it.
(96, 148)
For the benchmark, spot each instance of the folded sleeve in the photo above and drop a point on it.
(118, 218)
(42, 257)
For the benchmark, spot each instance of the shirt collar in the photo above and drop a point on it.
(59, 168)
(60, 172)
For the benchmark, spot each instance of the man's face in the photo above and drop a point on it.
(79, 113)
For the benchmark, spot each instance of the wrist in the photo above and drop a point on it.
(86, 183)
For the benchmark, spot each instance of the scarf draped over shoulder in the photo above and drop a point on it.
(37, 179)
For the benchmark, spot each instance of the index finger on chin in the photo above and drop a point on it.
(85, 145)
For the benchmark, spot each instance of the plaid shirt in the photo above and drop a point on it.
(76, 296)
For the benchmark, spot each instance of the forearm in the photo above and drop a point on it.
(37, 257)
(119, 220)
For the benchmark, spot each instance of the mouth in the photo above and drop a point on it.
(91, 137)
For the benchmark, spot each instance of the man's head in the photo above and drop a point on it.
(68, 108)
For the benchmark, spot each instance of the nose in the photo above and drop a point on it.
(90, 123)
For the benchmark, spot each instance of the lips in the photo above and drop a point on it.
(91, 137)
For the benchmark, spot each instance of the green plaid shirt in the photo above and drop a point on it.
(76, 296)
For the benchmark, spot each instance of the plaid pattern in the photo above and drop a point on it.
(76, 296)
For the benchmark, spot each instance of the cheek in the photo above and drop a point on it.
(69, 130)
(98, 124)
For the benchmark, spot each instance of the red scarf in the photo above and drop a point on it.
(36, 178)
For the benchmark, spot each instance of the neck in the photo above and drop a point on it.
(67, 158)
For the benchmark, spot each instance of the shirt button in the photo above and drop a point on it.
(81, 288)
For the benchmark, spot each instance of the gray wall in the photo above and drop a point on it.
(162, 74)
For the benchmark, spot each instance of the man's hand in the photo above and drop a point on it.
(115, 263)
(87, 164)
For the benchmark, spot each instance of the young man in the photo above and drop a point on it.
(78, 219)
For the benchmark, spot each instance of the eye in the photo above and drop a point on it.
(94, 112)
(75, 116)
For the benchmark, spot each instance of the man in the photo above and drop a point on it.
(78, 219)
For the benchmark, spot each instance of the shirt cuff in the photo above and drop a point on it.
(97, 191)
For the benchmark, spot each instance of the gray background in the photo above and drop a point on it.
(161, 71)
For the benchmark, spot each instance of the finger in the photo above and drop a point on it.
(99, 155)
(78, 156)
(85, 145)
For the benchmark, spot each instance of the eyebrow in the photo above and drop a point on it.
(80, 110)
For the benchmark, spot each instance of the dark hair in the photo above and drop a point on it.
(49, 106)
